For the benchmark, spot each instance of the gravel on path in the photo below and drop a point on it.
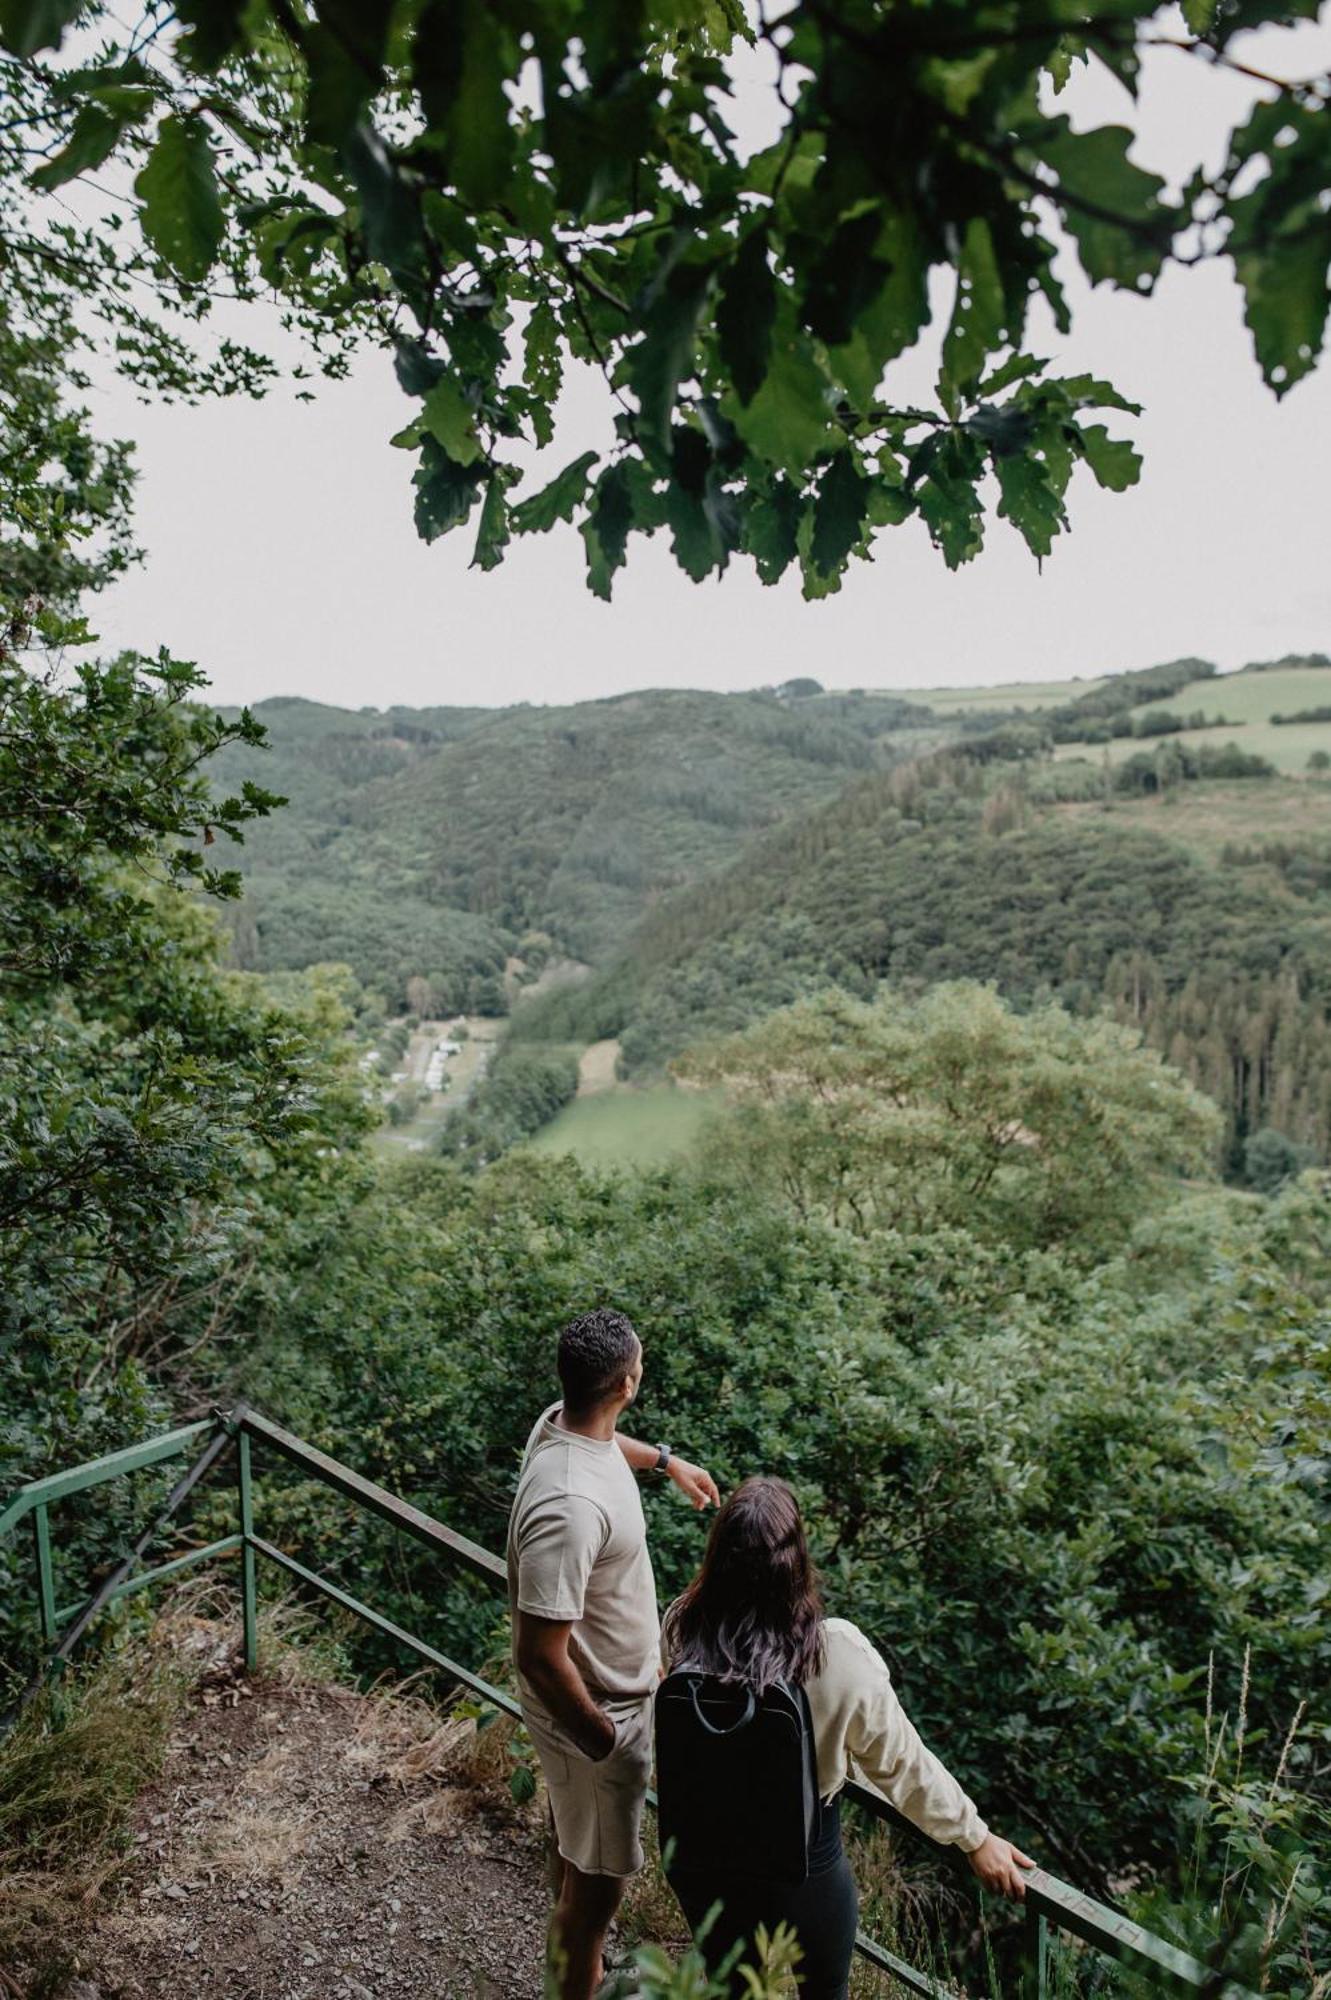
(304, 1842)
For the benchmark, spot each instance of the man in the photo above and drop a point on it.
(586, 1641)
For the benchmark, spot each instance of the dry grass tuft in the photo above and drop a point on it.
(437, 1812)
(70, 1772)
(255, 1844)
(438, 1755)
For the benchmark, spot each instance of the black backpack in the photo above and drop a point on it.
(736, 1777)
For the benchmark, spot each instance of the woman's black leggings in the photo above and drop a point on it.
(823, 1910)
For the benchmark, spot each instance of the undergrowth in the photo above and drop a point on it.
(70, 1771)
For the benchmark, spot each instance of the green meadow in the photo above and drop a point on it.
(627, 1128)
(1248, 700)
(1017, 694)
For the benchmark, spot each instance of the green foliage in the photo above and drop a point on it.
(404, 1103)
(1034, 1131)
(901, 879)
(64, 527)
(768, 1975)
(1013, 1459)
(1180, 763)
(1270, 1159)
(1255, 1899)
(82, 816)
(521, 1091)
(390, 175)
(155, 1111)
(182, 211)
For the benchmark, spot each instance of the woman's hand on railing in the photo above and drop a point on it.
(999, 1864)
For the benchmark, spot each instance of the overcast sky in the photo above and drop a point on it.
(282, 556)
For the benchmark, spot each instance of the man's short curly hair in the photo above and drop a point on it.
(596, 1351)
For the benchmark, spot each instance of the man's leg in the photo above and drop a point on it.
(583, 1914)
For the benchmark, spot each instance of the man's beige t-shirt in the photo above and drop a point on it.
(577, 1553)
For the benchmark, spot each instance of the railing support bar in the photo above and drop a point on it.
(41, 1541)
(148, 1577)
(249, 1598)
(896, 1968)
(111, 1585)
(1036, 1942)
(463, 1675)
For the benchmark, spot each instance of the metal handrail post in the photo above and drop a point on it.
(249, 1602)
(1035, 1941)
(41, 1542)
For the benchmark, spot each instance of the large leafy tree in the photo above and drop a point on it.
(495, 190)
(1034, 1130)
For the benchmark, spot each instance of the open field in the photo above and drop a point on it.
(627, 1128)
(1206, 817)
(1014, 694)
(596, 1070)
(1249, 701)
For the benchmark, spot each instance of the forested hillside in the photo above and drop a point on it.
(711, 857)
(1228, 970)
(430, 842)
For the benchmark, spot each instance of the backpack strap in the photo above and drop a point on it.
(750, 1710)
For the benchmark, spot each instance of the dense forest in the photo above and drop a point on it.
(431, 841)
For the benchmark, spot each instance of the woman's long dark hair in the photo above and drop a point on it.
(754, 1612)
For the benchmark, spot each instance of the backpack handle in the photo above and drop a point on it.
(750, 1710)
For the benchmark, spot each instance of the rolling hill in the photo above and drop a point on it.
(709, 857)
(434, 842)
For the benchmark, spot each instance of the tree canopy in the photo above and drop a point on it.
(494, 192)
(1035, 1130)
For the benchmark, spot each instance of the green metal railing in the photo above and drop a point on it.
(1051, 1906)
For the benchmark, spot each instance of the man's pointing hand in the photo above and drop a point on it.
(697, 1486)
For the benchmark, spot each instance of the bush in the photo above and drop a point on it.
(1270, 1159)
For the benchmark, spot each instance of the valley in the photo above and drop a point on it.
(636, 874)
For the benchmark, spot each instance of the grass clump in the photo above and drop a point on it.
(70, 1771)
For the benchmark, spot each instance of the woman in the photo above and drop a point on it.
(753, 1618)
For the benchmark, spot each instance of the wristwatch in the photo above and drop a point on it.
(663, 1455)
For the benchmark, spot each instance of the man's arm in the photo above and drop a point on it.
(697, 1485)
(541, 1650)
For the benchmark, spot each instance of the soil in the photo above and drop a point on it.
(304, 1842)
(596, 1068)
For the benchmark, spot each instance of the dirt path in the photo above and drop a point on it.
(596, 1070)
(308, 1843)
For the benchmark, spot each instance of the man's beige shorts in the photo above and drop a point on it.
(597, 1806)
